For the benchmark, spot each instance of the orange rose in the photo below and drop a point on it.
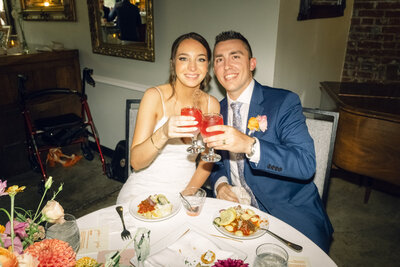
(253, 124)
(7, 258)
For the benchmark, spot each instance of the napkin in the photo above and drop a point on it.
(187, 251)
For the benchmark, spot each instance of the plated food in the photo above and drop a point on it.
(240, 222)
(154, 207)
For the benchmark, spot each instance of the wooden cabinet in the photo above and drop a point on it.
(368, 135)
(43, 70)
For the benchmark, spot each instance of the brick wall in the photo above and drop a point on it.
(373, 48)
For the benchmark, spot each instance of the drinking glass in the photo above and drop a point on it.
(210, 119)
(271, 255)
(67, 231)
(196, 113)
(193, 199)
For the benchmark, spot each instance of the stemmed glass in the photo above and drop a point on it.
(196, 113)
(210, 119)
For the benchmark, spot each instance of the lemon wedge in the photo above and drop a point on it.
(227, 216)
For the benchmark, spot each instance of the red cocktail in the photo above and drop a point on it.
(211, 119)
(196, 113)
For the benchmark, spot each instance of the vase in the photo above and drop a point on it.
(67, 231)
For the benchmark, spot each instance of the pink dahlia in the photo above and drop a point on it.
(53, 252)
(230, 263)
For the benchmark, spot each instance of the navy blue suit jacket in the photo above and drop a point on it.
(282, 179)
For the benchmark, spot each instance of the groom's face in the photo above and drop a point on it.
(233, 67)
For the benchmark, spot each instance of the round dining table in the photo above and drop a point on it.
(101, 231)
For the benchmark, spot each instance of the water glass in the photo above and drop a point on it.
(68, 231)
(271, 255)
(193, 199)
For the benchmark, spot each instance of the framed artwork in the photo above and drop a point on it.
(4, 34)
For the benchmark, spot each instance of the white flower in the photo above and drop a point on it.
(53, 212)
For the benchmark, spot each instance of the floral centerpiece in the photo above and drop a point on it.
(22, 239)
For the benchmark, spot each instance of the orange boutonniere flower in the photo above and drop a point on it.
(257, 123)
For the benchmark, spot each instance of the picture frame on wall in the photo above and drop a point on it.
(4, 35)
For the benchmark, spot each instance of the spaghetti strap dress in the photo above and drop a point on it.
(170, 171)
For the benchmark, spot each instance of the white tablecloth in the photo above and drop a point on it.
(101, 231)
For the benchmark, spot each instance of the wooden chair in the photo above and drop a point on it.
(322, 126)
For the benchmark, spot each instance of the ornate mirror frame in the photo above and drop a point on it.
(140, 50)
(317, 9)
(61, 10)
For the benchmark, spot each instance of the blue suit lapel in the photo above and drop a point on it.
(224, 153)
(255, 104)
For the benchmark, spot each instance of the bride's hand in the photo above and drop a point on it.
(177, 126)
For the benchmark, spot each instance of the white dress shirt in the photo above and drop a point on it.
(244, 98)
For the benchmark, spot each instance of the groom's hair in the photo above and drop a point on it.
(232, 35)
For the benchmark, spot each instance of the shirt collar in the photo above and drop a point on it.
(245, 97)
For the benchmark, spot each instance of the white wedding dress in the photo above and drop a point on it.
(170, 171)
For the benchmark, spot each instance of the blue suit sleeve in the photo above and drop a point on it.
(217, 172)
(293, 154)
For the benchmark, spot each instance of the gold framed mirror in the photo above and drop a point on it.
(109, 37)
(48, 10)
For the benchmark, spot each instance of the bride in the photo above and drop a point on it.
(158, 151)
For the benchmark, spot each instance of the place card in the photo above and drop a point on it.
(94, 240)
(299, 262)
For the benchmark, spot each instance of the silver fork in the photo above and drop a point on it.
(125, 234)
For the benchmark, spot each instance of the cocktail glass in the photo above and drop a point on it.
(211, 119)
(195, 147)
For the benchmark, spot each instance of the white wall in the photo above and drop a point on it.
(256, 19)
(293, 55)
(309, 52)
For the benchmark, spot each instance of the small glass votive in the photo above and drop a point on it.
(67, 231)
(269, 254)
(193, 199)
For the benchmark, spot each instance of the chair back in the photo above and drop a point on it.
(322, 126)
(132, 108)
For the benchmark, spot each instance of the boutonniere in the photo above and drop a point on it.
(258, 123)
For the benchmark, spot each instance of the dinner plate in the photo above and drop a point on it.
(185, 244)
(172, 198)
(223, 231)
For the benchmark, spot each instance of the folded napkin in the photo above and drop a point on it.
(241, 194)
(187, 251)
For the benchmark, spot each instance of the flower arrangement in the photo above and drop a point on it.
(257, 123)
(23, 235)
(230, 263)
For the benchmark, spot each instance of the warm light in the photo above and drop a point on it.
(114, 35)
(12, 43)
(46, 3)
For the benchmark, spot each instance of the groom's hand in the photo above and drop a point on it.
(231, 139)
(224, 192)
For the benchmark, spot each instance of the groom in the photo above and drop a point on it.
(272, 166)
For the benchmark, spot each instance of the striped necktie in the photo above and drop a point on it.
(237, 123)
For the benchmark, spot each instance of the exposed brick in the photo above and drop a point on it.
(387, 45)
(392, 13)
(367, 21)
(388, 21)
(370, 13)
(370, 44)
(363, 5)
(391, 29)
(355, 21)
(388, 5)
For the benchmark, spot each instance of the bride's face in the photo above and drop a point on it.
(191, 63)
